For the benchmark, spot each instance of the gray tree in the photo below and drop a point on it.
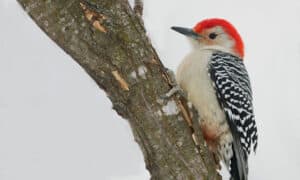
(108, 40)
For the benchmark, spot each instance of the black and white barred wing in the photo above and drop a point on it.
(233, 90)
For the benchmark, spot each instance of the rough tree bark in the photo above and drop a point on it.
(108, 40)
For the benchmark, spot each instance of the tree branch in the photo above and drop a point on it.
(107, 39)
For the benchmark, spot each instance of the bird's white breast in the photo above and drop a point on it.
(192, 76)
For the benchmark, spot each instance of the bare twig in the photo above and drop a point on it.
(138, 7)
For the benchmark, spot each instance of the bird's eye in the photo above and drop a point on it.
(212, 35)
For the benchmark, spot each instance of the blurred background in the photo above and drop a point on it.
(55, 123)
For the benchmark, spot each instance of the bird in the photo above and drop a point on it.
(216, 81)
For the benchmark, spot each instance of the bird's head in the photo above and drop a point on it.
(215, 33)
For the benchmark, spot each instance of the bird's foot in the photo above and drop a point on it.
(176, 89)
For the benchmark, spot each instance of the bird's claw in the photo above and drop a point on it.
(176, 89)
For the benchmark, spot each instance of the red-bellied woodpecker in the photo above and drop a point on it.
(216, 81)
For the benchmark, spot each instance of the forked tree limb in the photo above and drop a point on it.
(108, 40)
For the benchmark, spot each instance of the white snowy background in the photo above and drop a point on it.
(55, 123)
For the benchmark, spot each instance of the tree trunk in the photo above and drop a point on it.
(108, 40)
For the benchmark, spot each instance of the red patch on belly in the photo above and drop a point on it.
(209, 131)
(211, 135)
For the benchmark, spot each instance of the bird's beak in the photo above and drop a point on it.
(187, 32)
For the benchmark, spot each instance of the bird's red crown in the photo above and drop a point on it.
(227, 27)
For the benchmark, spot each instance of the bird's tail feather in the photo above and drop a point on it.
(235, 170)
(239, 162)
